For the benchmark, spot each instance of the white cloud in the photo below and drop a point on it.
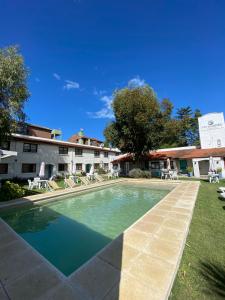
(136, 82)
(69, 85)
(106, 112)
(99, 92)
(57, 76)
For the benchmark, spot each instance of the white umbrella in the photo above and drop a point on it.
(54, 170)
(42, 170)
(211, 164)
(91, 170)
(168, 166)
(74, 168)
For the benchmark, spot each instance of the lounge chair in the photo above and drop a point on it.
(99, 178)
(52, 185)
(84, 180)
(112, 175)
(69, 183)
(222, 195)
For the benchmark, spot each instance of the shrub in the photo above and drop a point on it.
(101, 171)
(10, 191)
(190, 169)
(147, 174)
(138, 173)
(219, 170)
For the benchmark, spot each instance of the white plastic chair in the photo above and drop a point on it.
(174, 175)
(31, 185)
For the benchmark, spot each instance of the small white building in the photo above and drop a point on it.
(36, 145)
(212, 130)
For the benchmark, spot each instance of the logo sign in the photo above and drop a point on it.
(210, 122)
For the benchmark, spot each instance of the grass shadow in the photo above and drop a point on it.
(214, 274)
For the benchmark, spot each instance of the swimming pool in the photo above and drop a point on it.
(68, 232)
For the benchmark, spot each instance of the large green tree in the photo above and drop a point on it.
(142, 123)
(188, 133)
(13, 90)
(138, 121)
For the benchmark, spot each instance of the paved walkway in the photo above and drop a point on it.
(140, 264)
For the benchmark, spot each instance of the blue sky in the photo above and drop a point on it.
(80, 51)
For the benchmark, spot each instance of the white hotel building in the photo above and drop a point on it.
(36, 144)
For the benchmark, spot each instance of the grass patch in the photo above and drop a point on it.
(201, 274)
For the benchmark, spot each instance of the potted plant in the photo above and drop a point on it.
(190, 171)
(219, 171)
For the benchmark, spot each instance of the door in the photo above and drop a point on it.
(87, 168)
(183, 166)
(48, 171)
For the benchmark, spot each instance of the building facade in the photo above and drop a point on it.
(37, 145)
(212, 150)
(212, 130)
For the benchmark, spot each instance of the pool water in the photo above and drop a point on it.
(70, 231)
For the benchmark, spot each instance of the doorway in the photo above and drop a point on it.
(87, 168)
(183, 166)
(48, 171)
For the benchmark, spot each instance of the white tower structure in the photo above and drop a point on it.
(212, 130)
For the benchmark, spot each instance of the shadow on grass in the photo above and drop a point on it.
(215, 277)
(221, 198)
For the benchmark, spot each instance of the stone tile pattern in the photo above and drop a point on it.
(139, 264)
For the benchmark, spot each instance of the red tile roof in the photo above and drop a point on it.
(182, 154)
(194, 153)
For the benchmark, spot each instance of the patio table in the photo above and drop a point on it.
(42, 183)
(166, 175)
(91, 176)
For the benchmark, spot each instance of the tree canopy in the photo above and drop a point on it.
(137, 120)
(143, 123)
(13, 90)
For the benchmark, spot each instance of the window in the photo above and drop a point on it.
(97, 153)
(79, 167)
(96, 166)
(62, 167)
(155, 165)
(78, 151)
(63, 150)
(3, 168)
(27, 147)
(106, 166)
(5, 146)
(28, 168)
(106, 154)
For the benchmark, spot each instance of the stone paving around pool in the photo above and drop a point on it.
(140, 264)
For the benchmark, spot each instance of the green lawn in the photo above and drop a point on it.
(201, 274)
